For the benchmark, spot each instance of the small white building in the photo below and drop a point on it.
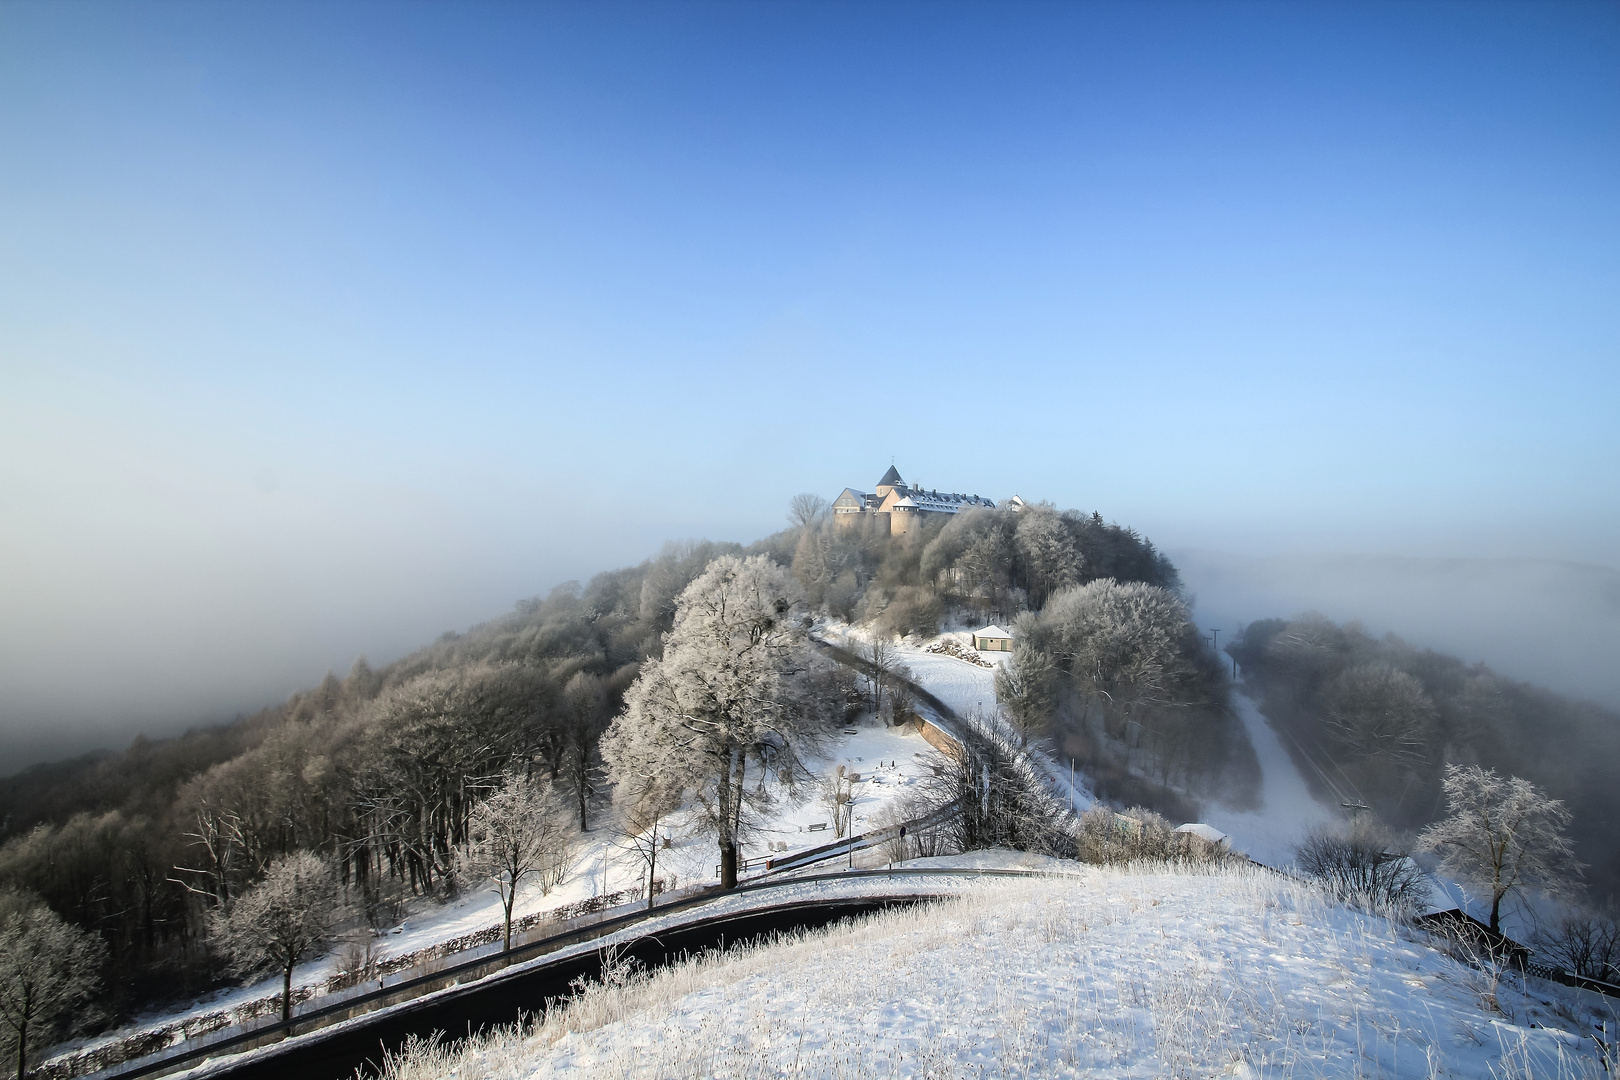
(1209, 834)
(992, 638)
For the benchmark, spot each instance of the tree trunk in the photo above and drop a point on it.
(511, 897)
(582, 763)
(22, 1050)
(1496, 911)
(730, 804)
(652, 864)
(286, 993)
(728, 864)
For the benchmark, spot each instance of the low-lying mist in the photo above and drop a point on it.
(1543, 621)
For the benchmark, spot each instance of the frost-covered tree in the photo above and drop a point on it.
(286, 917)
(1024, 690)
(720, 699)
(523, 829)
(1048, 554)
(1502, 833)
(1374, 710)
(1122, 644)
(972, 558)
(47, 969)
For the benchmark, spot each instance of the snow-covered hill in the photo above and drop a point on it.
(889, 762)
(1092, 973)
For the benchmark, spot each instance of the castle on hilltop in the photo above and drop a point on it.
(896, 507)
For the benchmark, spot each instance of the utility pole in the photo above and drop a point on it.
(1215, 638)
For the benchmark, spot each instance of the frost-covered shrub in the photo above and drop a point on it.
(1138, 835)
(1363, 865)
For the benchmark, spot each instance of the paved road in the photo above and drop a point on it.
(336, 1053)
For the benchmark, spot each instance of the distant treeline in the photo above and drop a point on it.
(1377, 720)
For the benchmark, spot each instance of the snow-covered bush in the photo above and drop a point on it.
(1139, 835)
(1362, 864)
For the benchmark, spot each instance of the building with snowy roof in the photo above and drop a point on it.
(1209, 834)
(898, 508)
(992, 638)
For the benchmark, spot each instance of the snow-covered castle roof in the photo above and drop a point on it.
(907, 498)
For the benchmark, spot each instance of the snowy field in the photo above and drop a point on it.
(1097, 973)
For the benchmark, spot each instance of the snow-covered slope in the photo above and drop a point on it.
(1287, 807)
(1095, 973)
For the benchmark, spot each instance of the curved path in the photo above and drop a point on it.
(335, 1053)
(1269, 832)
(480, 992)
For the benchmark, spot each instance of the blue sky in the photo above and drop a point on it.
(325, 327)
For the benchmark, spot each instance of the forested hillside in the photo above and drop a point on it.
(1130, 689)
(379, 772)
(1377, 719)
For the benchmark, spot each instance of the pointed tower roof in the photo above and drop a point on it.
(891, 478)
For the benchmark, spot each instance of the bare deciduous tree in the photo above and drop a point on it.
(584, 701)
(837, 797)
(806, 509)
(1502, 833)
(521, 830)
(993, 801)
(1362, 864)
(1582, 940)
(642, 805)
(286, 917)
(47, 969)
(880, 656)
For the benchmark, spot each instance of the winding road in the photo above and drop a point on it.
(335, 1053)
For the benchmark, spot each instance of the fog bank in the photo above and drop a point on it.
(1545, 621)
